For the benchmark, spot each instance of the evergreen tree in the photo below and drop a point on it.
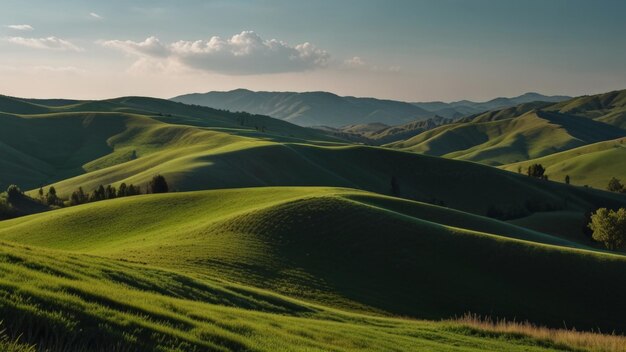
(567, 179)
(51, 196)
(110, 192)
(121, 192)
(98, 194)
(78, 197)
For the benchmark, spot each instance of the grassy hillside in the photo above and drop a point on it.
(339, 248)
(508, 113)
(379, 134)
(592, 165)
(43, 148)
(532, 135)
(80, 302)
(86, 149)
(608, 107)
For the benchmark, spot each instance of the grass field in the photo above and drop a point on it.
(504, 141)
(348, 249)
(592, 165)
(192, 271)
(80, 302)
(281, 238)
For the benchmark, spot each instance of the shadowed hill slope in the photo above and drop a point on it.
(59, 300)
(532, 135)
(592, 165)
(349, 249)
(608, 107)
(110, 148)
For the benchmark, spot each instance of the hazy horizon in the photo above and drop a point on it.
(411, 51)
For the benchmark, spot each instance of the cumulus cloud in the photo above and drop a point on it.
(50, 43)
(20, 27)
(242, 54)
(96, 16)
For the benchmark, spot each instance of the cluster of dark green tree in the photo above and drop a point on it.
(101, 193)
(537, 171)
(158, 184)
(615, 185)
(609, 227)
(50, 198)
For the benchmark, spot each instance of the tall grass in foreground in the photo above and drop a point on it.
(13, 345)
(589, 341)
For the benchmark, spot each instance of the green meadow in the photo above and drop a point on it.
(277, 237)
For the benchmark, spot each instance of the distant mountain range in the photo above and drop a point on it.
(328, 109)
(462, 108)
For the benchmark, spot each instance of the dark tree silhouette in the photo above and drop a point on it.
(14, 192)
(158, 185)
(536, 170)
(122, 191)
(110, 192)
(78, 197)
(51, 196)
(567, 179)
(395, 187)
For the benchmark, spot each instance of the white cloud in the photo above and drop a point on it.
(150, 47)
(20, 27)
(245, 53)
(51, 43)
(355, 62)
(96, 16)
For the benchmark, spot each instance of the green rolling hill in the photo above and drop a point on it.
(281, 237)
(608, 107)
(504, 141)
(593, 165)
(115, 147)
(201, 257)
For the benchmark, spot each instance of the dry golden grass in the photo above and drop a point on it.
(589, 341)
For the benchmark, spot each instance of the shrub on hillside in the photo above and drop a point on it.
(615, 185)
(609, 227)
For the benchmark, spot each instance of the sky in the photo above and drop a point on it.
(409, 50)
